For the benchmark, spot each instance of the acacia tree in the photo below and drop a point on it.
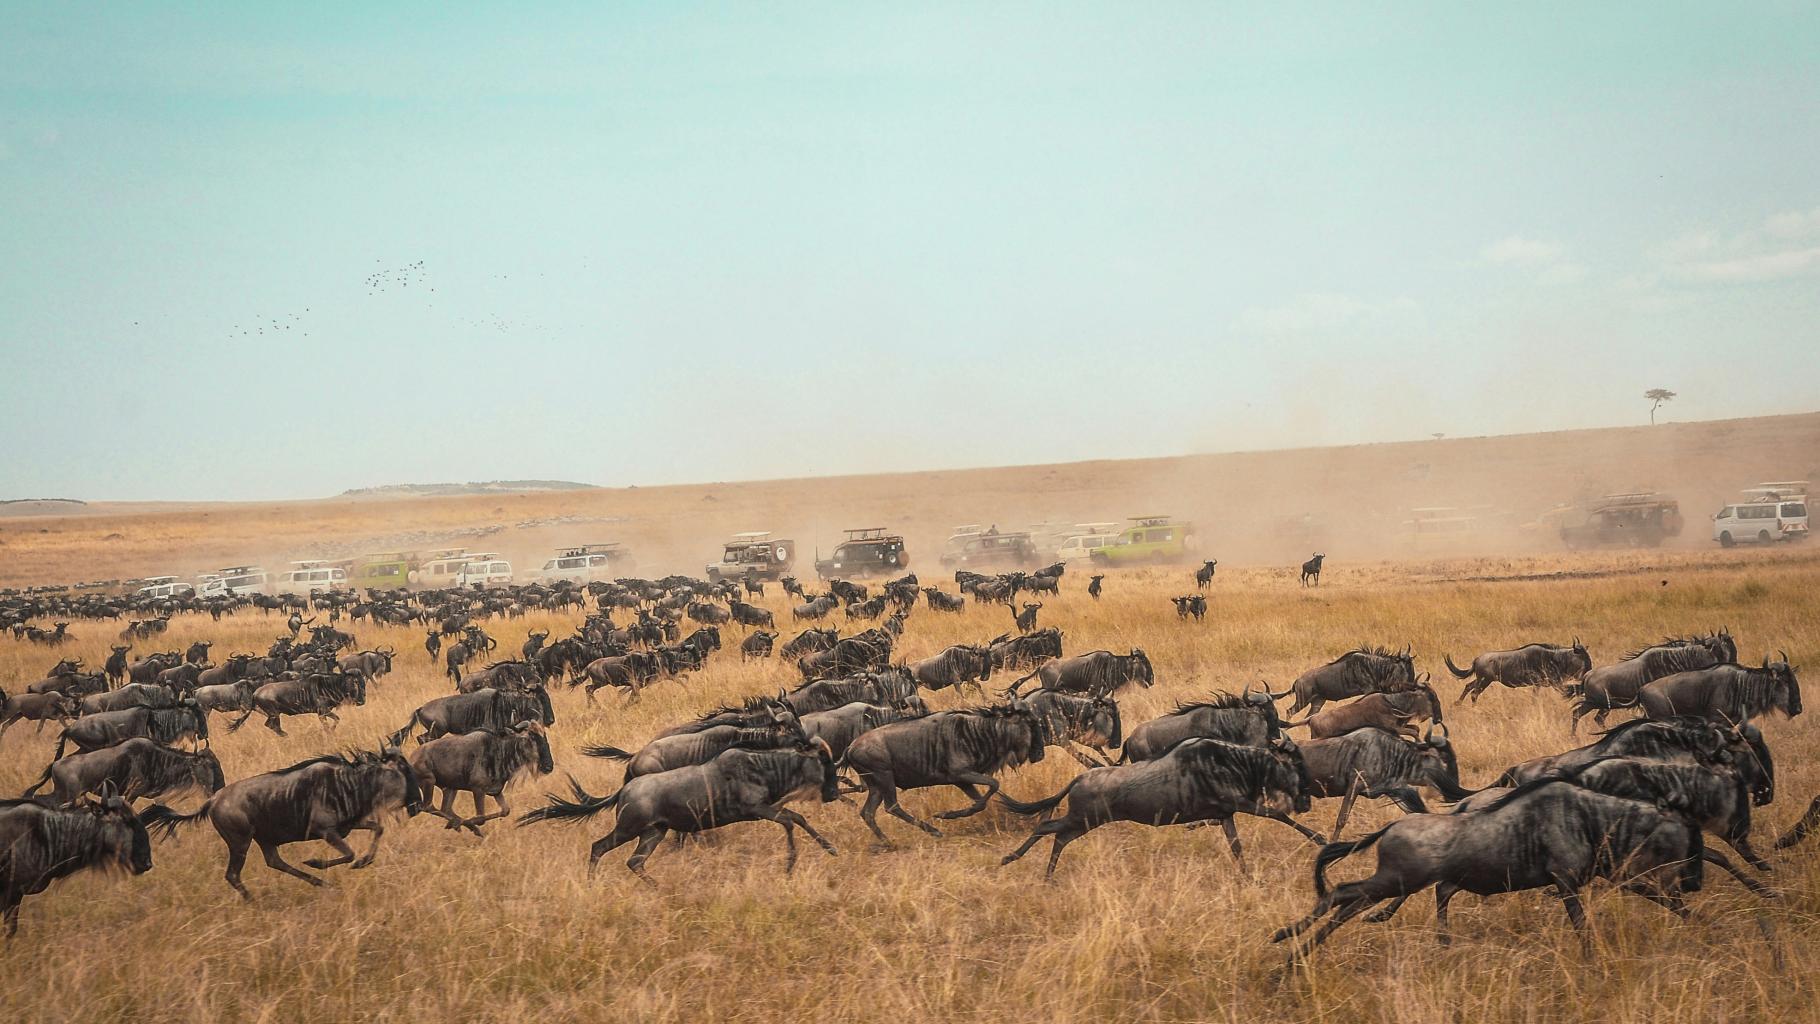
(1656, 397)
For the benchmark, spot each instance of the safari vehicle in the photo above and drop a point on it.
(586, 563)
(1775, 511)
(989, 549)
(162, 587)
(386, 570)
(961, 535)
(484, 569)
(1084, 539)
(312, 574)
(1640, 520)
(1149, 539)
(754, 555)
(236, 581)
(440, 568)
(867, 551)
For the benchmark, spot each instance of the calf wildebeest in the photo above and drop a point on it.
(809, 641)
(889, 686)
(1026, 619)
(323, 798)
(1727, 693)
(482, 764)
(1353, 674)
(839, 727)
(1549, 832)
(43, 844)
(1392, 712)
(1529, 665)
(1610, 687)
(318, 693)
(115, 666)
(168, 726)
(1090, 721)
(630, 671)
(758, 645)
(496, 710)
(961, 663)
(941, 602)
(36, 707)
(137, 768)
(1372, 763)
(1311, 570)
(432, 642)
(1197, 780)
(132, 695)
(234, 696)
(1204, 575)
(1093, 587)
(371, 664)
(1098, 673)
(739, 785)
(1249, 718)
(964, 749)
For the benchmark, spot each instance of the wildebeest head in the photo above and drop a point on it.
(1787, 687)
(546, 763)
(1440, 749)
(1288, 753)
(1264, 701)
(1146, 676)
(825, 755)
(1755, 764)
(393, 758)
(120, 837)
(1585, 657)
(1039, 735)
(1104, 722)
(205, 768)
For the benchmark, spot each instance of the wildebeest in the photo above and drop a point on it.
(432, 642)
(1249, 718)
(1392, 712)
(132, 695)
(1090, 721)
(668, 753)
(1040, 583)
(1093, 587)
(839, 727)
(371, 664)
(168, 726)
(941, 602)
(1311, 570)
(1373, 763)
(889, 686)
(1544, 833)
(36, 707)
(1728, 693)
(630, 671)
(964, 749)
(750, 614)
(1204, 575)
(533, 643)
(1610, 687)
(1353, 674)
(1029, 649)
(739, 785)
(481, 764)
(758, 645)
(1529, 665)
(857, 653)
(959, 664)
(324, 798)
(1097, 673)
(115, 666)
(502, 675)
(495, 710)
(755, 711)
(136, 768)
(809, 641)
(1197, 780)
(39, 845)
(198, 652)
(1026, 619)
(235, 696)
(318, 693)
(816, 609)
(1693, 740)
(1192, 604)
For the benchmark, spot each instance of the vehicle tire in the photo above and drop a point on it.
(1725, 539)
(1763, 536)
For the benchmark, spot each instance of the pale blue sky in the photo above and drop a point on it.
(675, 243)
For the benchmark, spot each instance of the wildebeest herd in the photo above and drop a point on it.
(1632, 808)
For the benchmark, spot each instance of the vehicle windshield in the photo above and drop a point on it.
(242, 581)
(1794, 510)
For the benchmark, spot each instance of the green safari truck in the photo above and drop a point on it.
(1148, 540)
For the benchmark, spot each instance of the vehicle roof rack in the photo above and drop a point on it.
(752, 536)
(865, 533)
(576, 550)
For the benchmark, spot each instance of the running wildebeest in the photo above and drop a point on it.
(137, 768)
(1091, 721)
(1249, 718)
(1197, 780)
(1311, 570)
(839, 727)
(1204, 575)
(1392, 712)
(892, 685)
(941, 602)
(371, 664)
(1353, 674)
(1549, 832)
(964, 749)
(1689, 740)
(808, 642)
(1093, 587)
(168, 726)
(758, 645)
(632, 672)
(1728, 693)
(502, 675)
(755, 711)
(324, 798)
(1026, 619)
(1374, 763)
(1027, 650)
(36, 707)
(1529, 665)
(496, 710)
(739, 785)
(1610, 687)
(953, 667)
(669, 752)
(318, 693)
(481, 764)
(43, 844)
(1098, 673)
(132, 695)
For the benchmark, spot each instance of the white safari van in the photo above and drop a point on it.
(1775, 511)
(485, 569)
(306, 576)
(236, 581)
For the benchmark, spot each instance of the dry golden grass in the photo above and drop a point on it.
(1141, 924)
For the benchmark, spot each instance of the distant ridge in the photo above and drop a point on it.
(471, 487)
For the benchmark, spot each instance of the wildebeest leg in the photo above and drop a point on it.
(1673, 902)
(275, 723)
(967, 782)
(1047, 828)
(447, 810)
(10, 902)
(1444, 891)
(1339, 821)
(646, 843)
(277, 863)
(1349, 906)
(1569, 893)
(374, 826)
(605, 845)
(869, 815)
(1389, 911)
(1231, 828)
(338, 844)
(237, 846)
(1749, 853)
(1802, 828)
(1403, 796)
(480, 809)
(887, 792)
(1467, 689)
(1720, 860)
(786, 814)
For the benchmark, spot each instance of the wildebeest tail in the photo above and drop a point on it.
(607, 751)
(582, 806)
(163, 822)
(235, 725)
(397, 738)
(1458, 672)
(1038, 806)
(42, 779)
(62, 739)
(1334, 851)
(1011, 691)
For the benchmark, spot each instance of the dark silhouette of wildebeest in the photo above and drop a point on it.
(1098, 673)
(964, 749)
(739, 785)
(318, 693)
(481, 764)
(1392, 712)
(36, 707)
(969, 664)
(495, 710)
(137, 768)
(115, 666)
(1545, 833)
(1727, 693)
(326, 798)
(534, 641)
(1358, 672)
(39, 845)
(1197, 780)
(1610, 687)
(1204, 575)
(1529, 665)
(1249, 718)
(168, 726)
(1311, 570)
(758, 645)
(1374, 763)
(1093, 587)
(1026, 619)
